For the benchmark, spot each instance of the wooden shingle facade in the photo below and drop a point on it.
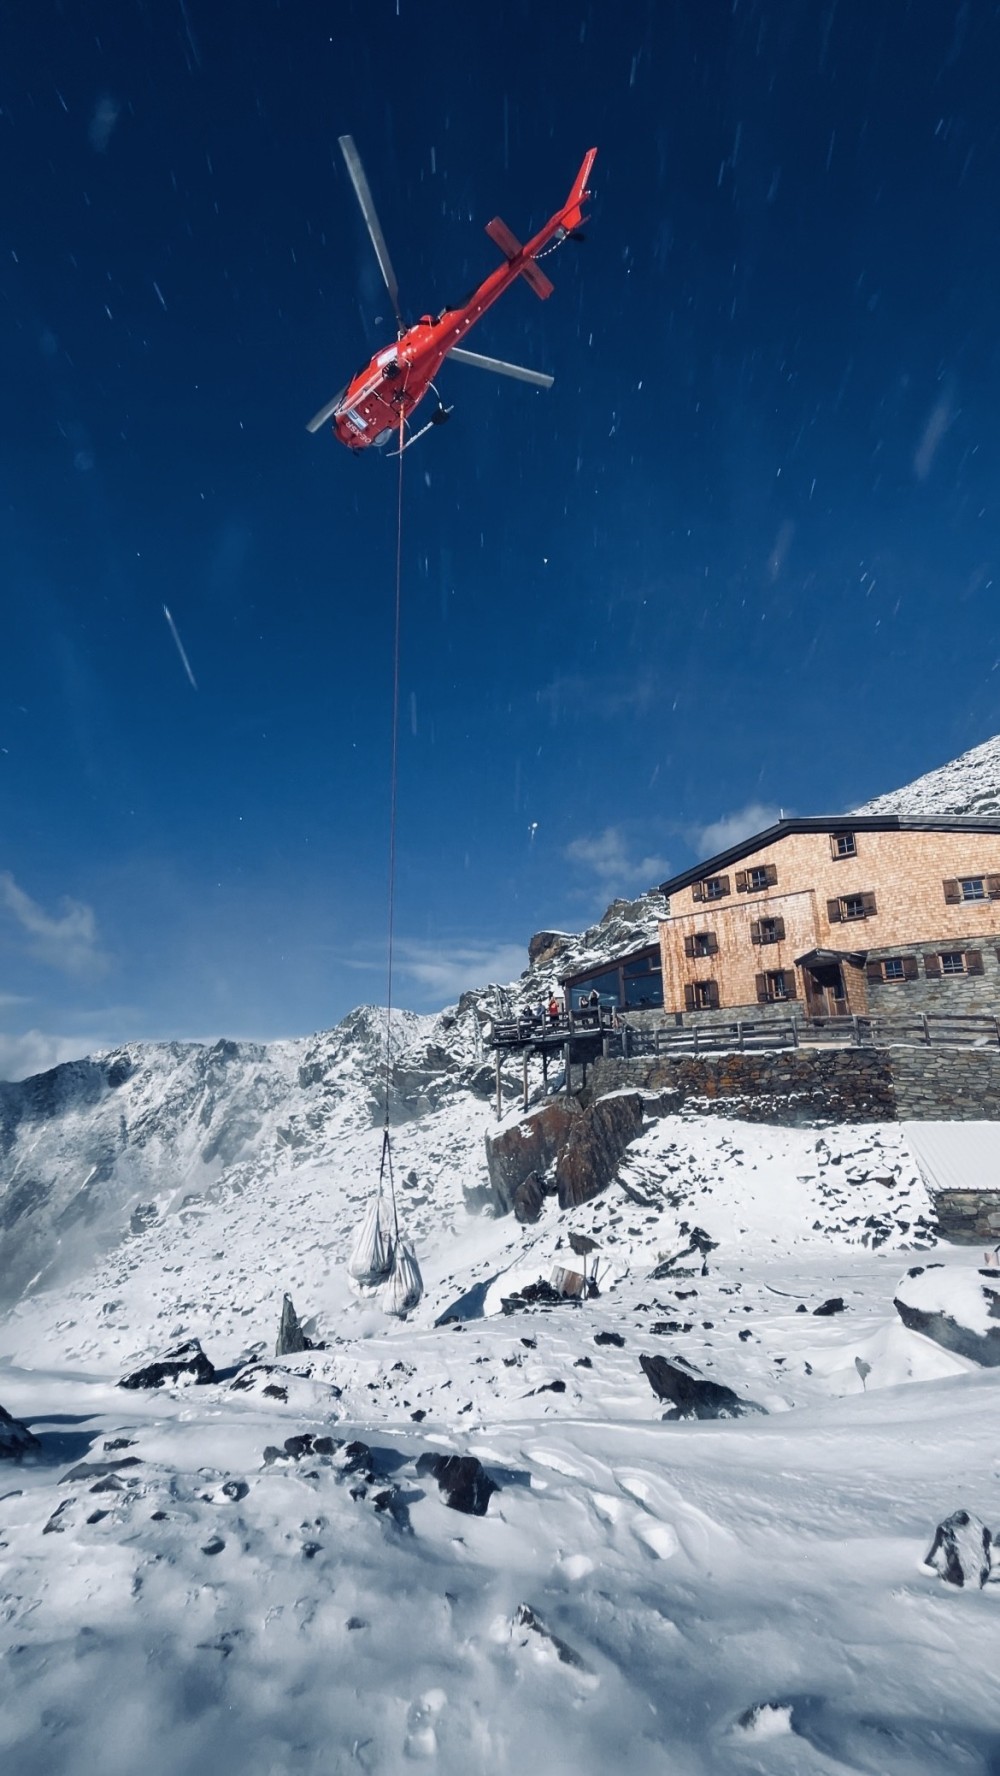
(839, 917)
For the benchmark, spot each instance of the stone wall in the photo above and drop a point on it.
(955, 993)
(946, 1084)
(969, 1217)
(791, 1087)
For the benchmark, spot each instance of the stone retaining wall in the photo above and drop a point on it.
(969, 1217)
(791, 1087)
(946, 1084)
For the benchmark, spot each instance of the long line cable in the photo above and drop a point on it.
(393, 778)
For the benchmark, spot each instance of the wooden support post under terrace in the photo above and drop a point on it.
(526, 1081)
(499, 1098)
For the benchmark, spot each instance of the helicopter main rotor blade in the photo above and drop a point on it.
(372, 223)
(325, 413)
(537, 378)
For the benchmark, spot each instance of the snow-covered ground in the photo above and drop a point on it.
(205, 1608)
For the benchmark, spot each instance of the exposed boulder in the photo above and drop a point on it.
(957, 1308)
(291, 1337)
(594, 1147)
(529, 1198)
(835, 1305)
(464, 1482)
(186, 1363)
(691, 1395)
(526, 1618)
(16, 1441)
(961, 1550)
(530, 1145)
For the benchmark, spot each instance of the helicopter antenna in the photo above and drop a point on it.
(362, 192)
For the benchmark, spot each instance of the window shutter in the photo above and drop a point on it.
(833, 846)
(713, 943)
(713, 995)
(868, 902)
(755, 931)
(689, 998)
(697, 890)
(723, 884)
(993, 887)
(761, 980)
(772, 874)
(974, 962)
(833, 912)
(741, 881)
(689, 946)
(932, 966)
(952, 891)
(791, 991)
(873, 970)
(779, 929)
(909, 967)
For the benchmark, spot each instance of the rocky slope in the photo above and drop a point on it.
(969, 784)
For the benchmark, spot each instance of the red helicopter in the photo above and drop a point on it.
(376, 404)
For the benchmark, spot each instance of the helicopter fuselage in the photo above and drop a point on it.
(378, 401)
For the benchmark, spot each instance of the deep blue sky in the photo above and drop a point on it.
(741, 557)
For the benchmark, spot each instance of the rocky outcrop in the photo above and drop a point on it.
(16, 1441)
(291, 1337)
(530, 1145)
(465, 1485)
(529, 1198)
(958, 1309)
(185, 1363)
(962, 1550)
(595, 1145)
(691, 1395)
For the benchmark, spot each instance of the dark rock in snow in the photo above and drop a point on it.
(960, 1551)
(950, 1307)
(215, 1546)
(463, 1480)
(525, 1617)
(835, 1305)
(529, 1198)
(16, 1441)
(297, 1447)
(97, 1470)
(187, 1362)
(609, 1338)
(693, 1396)
(581, 1244)
(291, 1337)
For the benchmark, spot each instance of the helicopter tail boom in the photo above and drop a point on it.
(572, 215)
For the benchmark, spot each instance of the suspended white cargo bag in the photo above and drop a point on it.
(370, 1262)
(405, 1285)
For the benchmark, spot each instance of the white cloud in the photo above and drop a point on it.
(733, 828)
(67, 941)
(35, 1052)
(446, 970)
(617, 865)
(939, 420)
(106, 114)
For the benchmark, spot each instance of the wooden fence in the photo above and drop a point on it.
(927, 1029)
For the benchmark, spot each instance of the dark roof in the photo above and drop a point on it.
(829, 823)
(576, 975)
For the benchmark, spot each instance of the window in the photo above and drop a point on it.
(775, 986)
(851, 906)
(892, 968)
(716, 887)
(702, 995)
(954, 962)
(767, 931)
(966, 888)
(753, 881)
(701, 943)
(843, 844)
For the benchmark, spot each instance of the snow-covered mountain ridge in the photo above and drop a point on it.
(969, 784)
